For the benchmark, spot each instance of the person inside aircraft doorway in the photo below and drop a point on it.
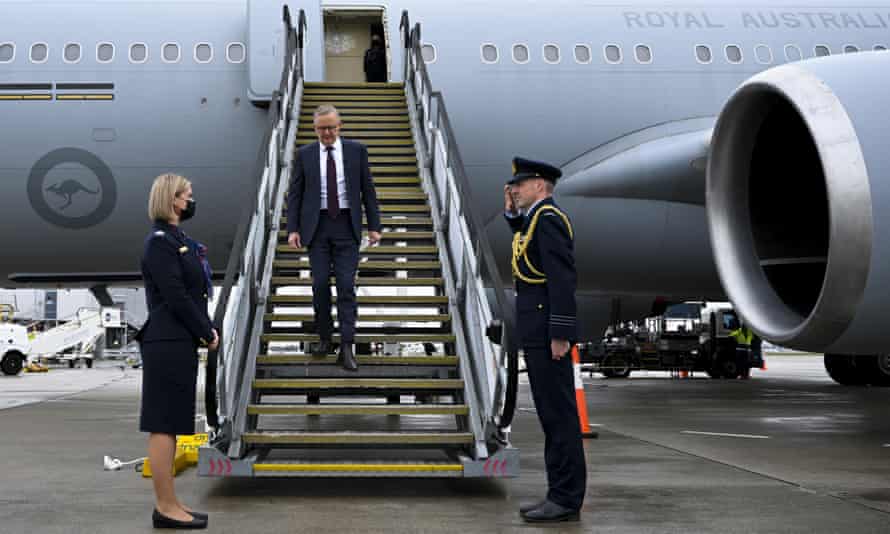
(375, 60)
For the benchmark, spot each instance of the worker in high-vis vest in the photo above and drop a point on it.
(744, 338)
(544, 272)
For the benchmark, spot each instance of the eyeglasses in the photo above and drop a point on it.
(328, 128)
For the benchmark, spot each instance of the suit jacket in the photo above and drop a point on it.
(175, 288)
(546, 311)
(304, 192)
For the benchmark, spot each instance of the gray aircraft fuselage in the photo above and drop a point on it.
(632, 134)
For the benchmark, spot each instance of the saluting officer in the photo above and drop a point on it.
(544, 272)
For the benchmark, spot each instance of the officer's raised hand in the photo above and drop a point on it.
(509, 203)
(559, 348)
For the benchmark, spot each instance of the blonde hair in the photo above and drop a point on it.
(164, 190)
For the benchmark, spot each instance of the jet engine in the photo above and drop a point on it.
(798, 205)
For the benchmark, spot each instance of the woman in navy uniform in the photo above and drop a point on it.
(177, 286)
(544, 272)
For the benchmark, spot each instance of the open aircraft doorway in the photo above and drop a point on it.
(348, 34)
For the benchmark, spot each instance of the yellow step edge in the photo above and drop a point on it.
(375, 438)
(300, 359)
(358, 409)
(363, 338)
(363, 468)
(381, 265)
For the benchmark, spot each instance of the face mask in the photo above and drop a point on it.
(189, 210)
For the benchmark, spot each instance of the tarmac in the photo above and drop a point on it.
(786, 451)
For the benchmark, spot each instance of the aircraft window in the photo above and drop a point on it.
(39, 52)
(104, 52)
(822, 50)
(170, 53)
(643, 54)
(7, 52)
(520, 53)
(138, 52)
(764, 54)
(489, 53)
(203, 53)
(428, 52)
(703, 54)
(793, 53)
(72, 53)
(733, 54)
(880, 47)
(235, 53)
(582, 53)
(551, 53)
(849, 49)
(613, 53)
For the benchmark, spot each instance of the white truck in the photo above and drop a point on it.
(71, 341)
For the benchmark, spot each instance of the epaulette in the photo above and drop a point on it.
(172, 240)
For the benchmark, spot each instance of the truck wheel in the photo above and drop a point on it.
(714, 372)
(843, 369)
(12, 363)
(729, 368)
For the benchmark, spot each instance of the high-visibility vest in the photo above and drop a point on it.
(743, 335)
(520, 247)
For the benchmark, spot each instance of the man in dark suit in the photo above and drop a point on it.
(331, 182)
(544, 272)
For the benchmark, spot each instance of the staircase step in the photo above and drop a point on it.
(367, 265)
(370, 143)
(372, 468)
(402, 384)
(403, 136)
(356, 125)
(385, 235)
(363, 359)
(391, 221)
(373, 251)
(397, 160)
(388, 181)
(384, 281)
(358, 409)
(347, 112)
(358, 438)
(359, 85)
(314, 99)
(353, 91)
(369, 318)
(357, 116)
(367, 300)
(389, 106)
(362, 338)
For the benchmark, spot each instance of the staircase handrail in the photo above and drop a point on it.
(239, 291)
(434, 116)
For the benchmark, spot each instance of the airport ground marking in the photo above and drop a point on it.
(725, 435)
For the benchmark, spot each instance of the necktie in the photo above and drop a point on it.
(333, 200)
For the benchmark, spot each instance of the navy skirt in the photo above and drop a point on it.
(169, 381)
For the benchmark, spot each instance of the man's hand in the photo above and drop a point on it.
(373, 237)
(293, 239)
(559, 348)
(215, 343)
(509, 205)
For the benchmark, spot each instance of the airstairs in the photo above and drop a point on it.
(436, 387)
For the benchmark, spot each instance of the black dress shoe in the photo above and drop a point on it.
(347, 358)
(550, 512)
(199, 515)
(525, 508)
(322, 349)
(159, 520)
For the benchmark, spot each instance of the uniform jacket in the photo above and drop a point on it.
(546, 311)
(304, 193)
(175, 287)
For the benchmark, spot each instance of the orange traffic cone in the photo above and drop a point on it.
(579, 396)
(684, 373)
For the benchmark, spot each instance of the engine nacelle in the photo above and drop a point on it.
(798, 203)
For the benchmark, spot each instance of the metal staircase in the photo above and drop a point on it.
(433, 396)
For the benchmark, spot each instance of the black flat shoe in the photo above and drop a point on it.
(159, 520)
(550, 512)
(199, 515)
(322, 349)
(347, 358)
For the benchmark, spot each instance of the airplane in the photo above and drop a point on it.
(640, 103)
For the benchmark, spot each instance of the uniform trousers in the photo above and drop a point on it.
(553, 389)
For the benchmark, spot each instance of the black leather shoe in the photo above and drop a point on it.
(199, 515)
(525, 508)
(159, 520)
(550, 512)
(347, 358)
(322, 349)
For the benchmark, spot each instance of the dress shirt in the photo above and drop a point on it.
(341, 175)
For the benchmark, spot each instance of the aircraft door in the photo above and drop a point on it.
(347, 36)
